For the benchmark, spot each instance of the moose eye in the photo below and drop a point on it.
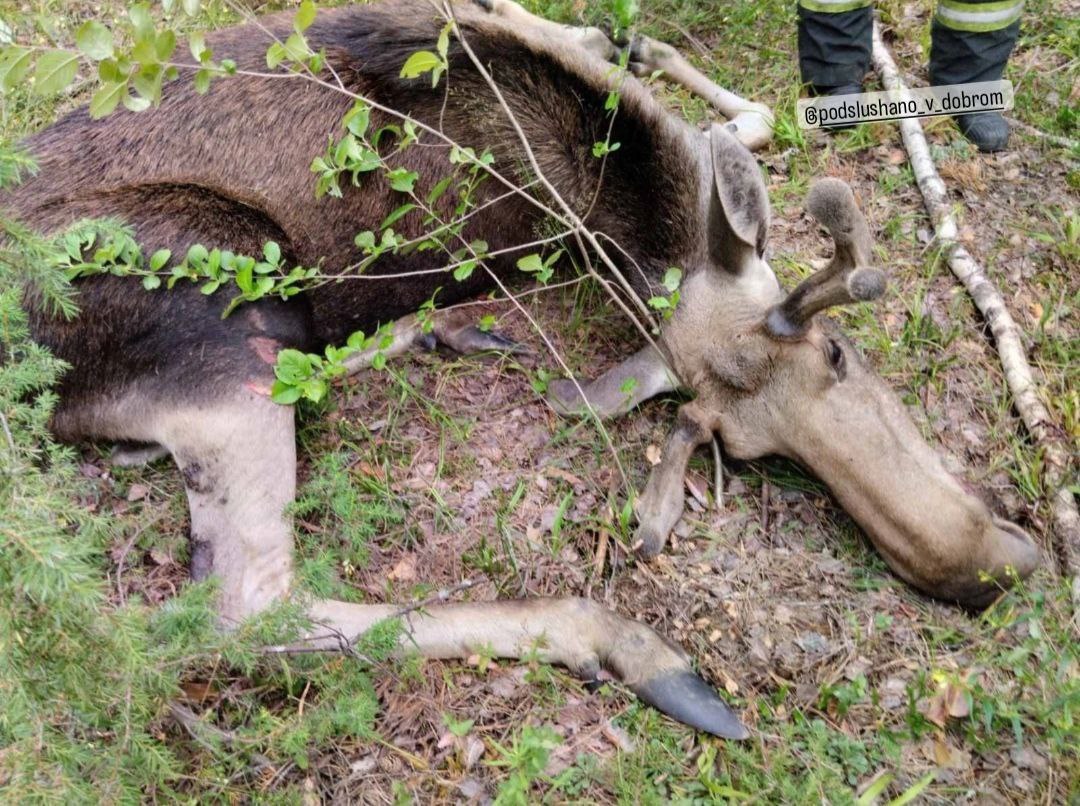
(834, 354)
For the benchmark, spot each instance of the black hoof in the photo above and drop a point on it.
(491, 340)
(472, 339)
(687, 698)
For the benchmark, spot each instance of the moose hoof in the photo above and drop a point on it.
(650, 540)
(471, 339)
(689, 699)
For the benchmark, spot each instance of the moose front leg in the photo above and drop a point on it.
(576, 633)
(663, 501)
(450, 328)
(619, 390)
(750, 122)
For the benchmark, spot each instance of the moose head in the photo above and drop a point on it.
(771, 377)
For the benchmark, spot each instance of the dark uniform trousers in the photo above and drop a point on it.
(970, 41)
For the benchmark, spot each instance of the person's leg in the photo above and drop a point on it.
(971, 41)
(834, 44)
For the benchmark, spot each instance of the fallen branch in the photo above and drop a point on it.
(1053, 139)
(1007, 334)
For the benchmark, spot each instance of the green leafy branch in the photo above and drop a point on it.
(307, 376)
(93, 248)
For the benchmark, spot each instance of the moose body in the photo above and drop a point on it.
(232, 171)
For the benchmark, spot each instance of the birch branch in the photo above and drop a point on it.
(1007, 334)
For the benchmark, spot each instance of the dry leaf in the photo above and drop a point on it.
(652, 454)
(957, 701)
(405, 570)
(137, 492)
(474, 749)
(568, 477)
(618, 737)
(952, 758)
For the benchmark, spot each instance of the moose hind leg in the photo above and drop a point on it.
(237, 457)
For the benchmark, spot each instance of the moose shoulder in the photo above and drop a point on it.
(232, 171)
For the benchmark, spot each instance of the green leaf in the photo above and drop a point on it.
(15, 63)
(151, 281)
(54, 71)
(672, 278)
(356, 119)
(106, 99)
(626, 12)
(143, 23)
(202, 81)
(423, 61)
(391, 219)
(914, 790)
(191, 7)
(293, 366)
(272, 252)
(443, 44)
(146, 82)
(94, 40)
(465, 270)
(402, 180)
(197, 253)
(210, 287)
(136, 103)
(284, 394)
(159, 259)
(197, 44)
(531, 263)
(165, 45)
(305, 15)
(109, 72)
(440, 188)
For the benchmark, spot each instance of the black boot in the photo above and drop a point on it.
(959, 55)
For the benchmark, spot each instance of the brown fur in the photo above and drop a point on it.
(232, 170)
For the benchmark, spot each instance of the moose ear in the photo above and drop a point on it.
(739, 210)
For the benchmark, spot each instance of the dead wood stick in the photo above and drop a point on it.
(718, 474)
(1060, 142)
(1007, 334)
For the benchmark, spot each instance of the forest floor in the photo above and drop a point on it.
(854, 685)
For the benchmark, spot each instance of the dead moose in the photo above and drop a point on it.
(165, 370)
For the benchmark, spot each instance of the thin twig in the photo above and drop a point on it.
(7, 433)
(127, 547)
(439, 597)
(718, 473)
(1062, 142)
